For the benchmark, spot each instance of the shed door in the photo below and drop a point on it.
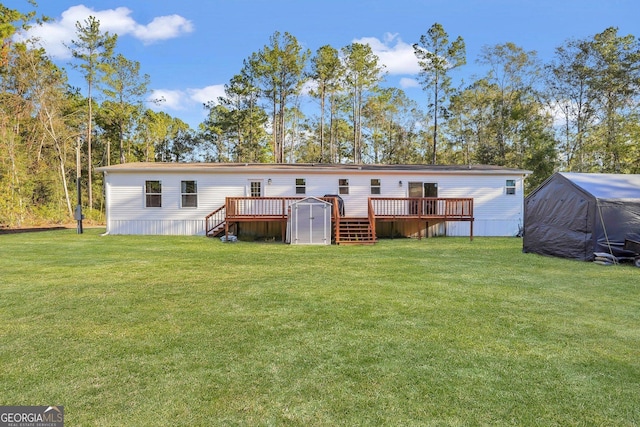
(310, 223)
(318, 224)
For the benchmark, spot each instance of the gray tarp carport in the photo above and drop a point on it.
(573, 215)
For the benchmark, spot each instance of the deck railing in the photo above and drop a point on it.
(248, 208)
(457, 209)
(258, 207)
(239, 209)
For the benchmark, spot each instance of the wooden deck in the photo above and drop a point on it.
(431, 210)
(276, 209)
(257, 209)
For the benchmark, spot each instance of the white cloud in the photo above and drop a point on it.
(186, 104)
(406, 83)
(176, 100)
(182, 100)
(308, 87)
(396, 55)
(558, 110)
(206, 94)
(51, 38)
(54, 35)
(163, 28)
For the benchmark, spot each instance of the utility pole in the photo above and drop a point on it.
(78, 212)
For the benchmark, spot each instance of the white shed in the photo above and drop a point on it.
(309, 222)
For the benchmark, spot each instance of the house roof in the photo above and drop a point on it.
(606, 186)
(310, 167)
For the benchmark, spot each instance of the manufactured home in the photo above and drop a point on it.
(368, 201)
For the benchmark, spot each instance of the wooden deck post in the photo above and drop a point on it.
(283, 223)
(226, 221)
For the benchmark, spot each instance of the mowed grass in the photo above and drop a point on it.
(151, 330)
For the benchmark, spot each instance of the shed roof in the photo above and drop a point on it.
(310, 200)
(607, 186)
(310, 167)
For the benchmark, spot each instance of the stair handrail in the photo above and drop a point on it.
(372, 219)
(216, 217)
(335, 215)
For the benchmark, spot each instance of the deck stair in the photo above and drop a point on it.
(216, 231)
(215, 222)
(355, 231)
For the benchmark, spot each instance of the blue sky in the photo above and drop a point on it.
(191, 48)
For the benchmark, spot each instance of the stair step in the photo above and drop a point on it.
(355, 231)
(216, 231)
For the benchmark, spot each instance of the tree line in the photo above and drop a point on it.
(578, 112)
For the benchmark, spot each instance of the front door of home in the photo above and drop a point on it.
(415, 191)
(255, 188)
(430, 189)
(422, 189)
(254, 191)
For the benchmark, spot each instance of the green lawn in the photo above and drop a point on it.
(150, 330)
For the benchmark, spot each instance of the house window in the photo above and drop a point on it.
(511, 186)
(189, 190)
(375, 186)
(255, 189)
(153, 194)
(343, 186)
(301, 186)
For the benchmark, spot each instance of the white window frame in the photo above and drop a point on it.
(343, 186)
(184, 195)
(301, 186)
(376, 188)
(148, 194)
(510, 187)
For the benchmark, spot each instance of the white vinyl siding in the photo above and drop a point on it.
(125, 216)
(495, 212)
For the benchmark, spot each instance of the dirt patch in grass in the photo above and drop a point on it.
(31, 229)
(34, 228)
